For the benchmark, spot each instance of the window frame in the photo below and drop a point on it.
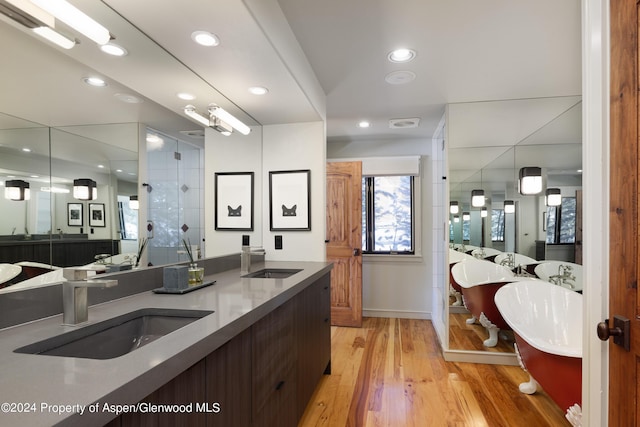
(369, 209)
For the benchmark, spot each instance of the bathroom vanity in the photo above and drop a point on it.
(254, 361)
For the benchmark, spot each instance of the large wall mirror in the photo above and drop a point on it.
(126, 143)
(544, 133)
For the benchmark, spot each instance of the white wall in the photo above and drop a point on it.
(270, 148)
(292, 147)
(397, 286)
(234, 153)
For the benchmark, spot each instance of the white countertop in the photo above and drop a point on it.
(33, 384)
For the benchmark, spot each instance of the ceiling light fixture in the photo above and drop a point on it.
(553, 197)
(364, 124)
(205, 38)
(484, 212)
(228, 118)
(94, 81)
(190, 111)
(134, 203)
(113, 49)
(258, 90)
(530, 181)
(76, 19)
(466, 216)
(55, 37)
(477, 198)
(186, 96)
(400, 77)
(401, 55)
(454, 207)
(84, 189)
(456, 218)
(17, 190)
(509, 207)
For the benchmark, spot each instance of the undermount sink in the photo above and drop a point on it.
(117, 336)
(272, 273)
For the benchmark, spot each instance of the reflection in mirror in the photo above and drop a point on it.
(535, 232)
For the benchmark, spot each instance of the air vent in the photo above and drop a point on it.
(404, 123)
(198, 133)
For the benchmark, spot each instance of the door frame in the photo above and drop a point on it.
(595, 183)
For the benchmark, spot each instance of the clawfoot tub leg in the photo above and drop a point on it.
(493, 330)
(471, 320)
(531, 386)
(574, 415)
(457, 295)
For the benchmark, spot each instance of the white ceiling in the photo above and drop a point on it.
(507, 67)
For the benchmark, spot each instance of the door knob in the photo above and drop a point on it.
(356, 251)
(619, 332)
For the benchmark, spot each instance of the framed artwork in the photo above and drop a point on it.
(290, 200)
(74, 214)
(96, 215)
(234, 201)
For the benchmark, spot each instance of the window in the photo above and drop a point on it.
(497, 225)
(561, 222)
(128, 219)
(388, 215)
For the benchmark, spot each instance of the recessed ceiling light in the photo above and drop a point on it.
(364, 124)
(101, 166)
(113, 49)
(400, 77)
(186, 96)
(205, 38)
(128, 98)
(95, 81)
(401, 55)
(118, 170)
(258, 90)
(26, 150)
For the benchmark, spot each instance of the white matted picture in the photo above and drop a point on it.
(234, 201)
(96, 215)
(74, 214)
(290, 200)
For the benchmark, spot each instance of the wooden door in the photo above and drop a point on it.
(623, 212)
(344, 241)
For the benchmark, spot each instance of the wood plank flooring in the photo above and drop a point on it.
(470, 337)
(391, 373)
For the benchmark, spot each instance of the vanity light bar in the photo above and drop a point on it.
(190, 111)
(227, 117)
(76, 19)
(54, 37)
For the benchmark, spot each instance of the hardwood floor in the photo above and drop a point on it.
(470, 337)
(391, 373)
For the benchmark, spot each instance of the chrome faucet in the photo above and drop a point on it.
(509, 261)
(245, 257)
(74, 294)
(564, 276)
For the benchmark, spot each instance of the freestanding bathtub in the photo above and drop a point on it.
(479, 281)
(561, 273)
(547, 323)
(455, 289)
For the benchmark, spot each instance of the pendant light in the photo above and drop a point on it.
(466, 216)
(84, 189)
(454, 207)
(456, 218)
(509, 206)
(17, 190)
(484, 212)
(134, 203)
(477, 196)
(530, 181)
(553, 197)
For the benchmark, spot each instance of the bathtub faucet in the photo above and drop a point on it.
(564, 276)
(509, 261)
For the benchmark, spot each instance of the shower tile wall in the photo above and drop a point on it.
(175, 201)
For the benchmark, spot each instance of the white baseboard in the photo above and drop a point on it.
(423, 315)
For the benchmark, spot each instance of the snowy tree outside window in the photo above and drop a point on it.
(387, 214)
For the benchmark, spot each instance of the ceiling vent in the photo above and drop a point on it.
(198, 133)
(404, 123)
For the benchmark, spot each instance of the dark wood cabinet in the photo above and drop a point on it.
(264, 376)
(61, 253)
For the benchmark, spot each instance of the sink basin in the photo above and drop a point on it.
(273, 273)
(116, 337)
